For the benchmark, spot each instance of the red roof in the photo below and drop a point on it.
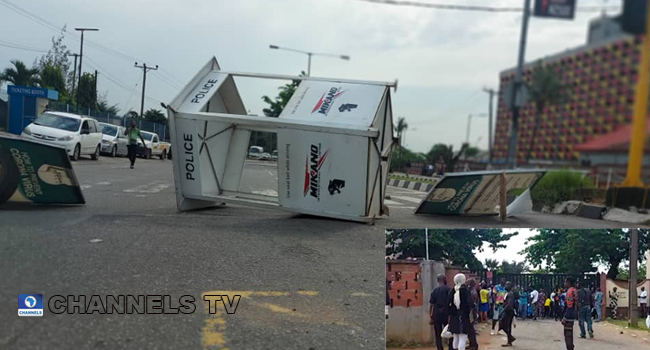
(618, 140)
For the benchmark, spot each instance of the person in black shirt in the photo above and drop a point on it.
(438, 310)
(508, 313)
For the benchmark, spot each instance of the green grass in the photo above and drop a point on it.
(623, 323)
(558, 186)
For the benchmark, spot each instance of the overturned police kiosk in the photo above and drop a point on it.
(334, 142)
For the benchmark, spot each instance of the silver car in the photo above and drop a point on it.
(113, 140)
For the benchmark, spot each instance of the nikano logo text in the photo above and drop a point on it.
(313, 164)
(326, 101)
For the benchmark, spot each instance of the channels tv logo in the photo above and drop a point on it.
(30, 304)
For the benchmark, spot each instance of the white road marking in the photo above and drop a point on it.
(389, 202)
(103, 183)
(85, 187)
(153, 187)
(270, 173)
(408, 199)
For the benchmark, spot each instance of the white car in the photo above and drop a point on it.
(78, 134)
(255, 152)
(113, 140)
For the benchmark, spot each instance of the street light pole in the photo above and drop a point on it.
(81, 56)
(634, 261)
(309, 55)
(491, 92)
(469, 122)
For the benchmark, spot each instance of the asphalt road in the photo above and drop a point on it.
(548, 334)
(305, 282)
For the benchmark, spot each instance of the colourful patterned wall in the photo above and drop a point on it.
(601, 84)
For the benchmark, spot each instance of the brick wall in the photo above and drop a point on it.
(405, 287)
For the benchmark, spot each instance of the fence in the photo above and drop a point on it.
(548, 282)
(108, 118)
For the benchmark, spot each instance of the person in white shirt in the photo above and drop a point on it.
(643, 301)
(535, 296)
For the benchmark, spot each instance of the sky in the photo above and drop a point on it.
(513, 247)
(442, 59)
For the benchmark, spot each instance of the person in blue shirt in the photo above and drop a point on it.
(598, 304)
(523, 304)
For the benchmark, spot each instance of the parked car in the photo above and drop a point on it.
(274, 155)
(255, 152)
(113, 140)
(78, 134)
(155, 148)
(265, 156)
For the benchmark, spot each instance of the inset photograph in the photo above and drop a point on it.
(523, 288)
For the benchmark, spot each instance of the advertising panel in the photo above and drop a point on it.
(336, 102)
(36, 172)
(474, 193)
(320, 172)
(562, 9)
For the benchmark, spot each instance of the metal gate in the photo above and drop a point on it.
(547, 281)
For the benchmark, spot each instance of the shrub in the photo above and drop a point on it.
(558, 186)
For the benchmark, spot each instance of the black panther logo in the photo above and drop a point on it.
(335, 186)
(347, 107)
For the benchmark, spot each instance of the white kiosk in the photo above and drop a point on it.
(334, 144)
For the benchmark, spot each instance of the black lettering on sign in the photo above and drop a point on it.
(204, 90)
(189, 156)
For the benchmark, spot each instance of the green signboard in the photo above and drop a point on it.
(36, 172)
(474, 193)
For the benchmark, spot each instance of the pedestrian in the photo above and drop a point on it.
(547, 307)
(483, 308)
(585, 303)
(541, 299)
(523, 304)
(508, 314)
(598, 304)
(613, 302)
(569, 312)
(499, 293)
(439, 310)
(471, 335)
(643, 302)
(552, 312)
(558, 304)
(534, 296)
(460, 307)
(132, 133)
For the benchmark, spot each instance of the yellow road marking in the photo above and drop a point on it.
(214, 332)
(310, 293)
(361, 294)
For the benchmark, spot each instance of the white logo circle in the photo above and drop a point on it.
(30, 300)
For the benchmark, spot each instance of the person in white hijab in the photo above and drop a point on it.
(460, 306)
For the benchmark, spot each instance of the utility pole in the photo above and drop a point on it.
(491, 92)
(634, 261)
(96, 89)
(514, 123)
(145, 69)
(81, 55)
(74, 72)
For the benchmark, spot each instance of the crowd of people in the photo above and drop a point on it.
(455, 311)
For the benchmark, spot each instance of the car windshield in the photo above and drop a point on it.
(58, 122)
(254, 150)
(109, 130)
(147, 136)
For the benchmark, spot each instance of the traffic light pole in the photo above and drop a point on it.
(637, 141)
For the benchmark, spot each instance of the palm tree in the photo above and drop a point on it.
(20, 75)
(513, 267)
(491, 264)
(544, 89)
(401, 128)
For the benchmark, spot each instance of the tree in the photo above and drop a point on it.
(21, 75)
(103, 106)
(401, 126)
(286, 91)
(544, 89)
(87, 94)
(131, 114)
(453, 246)
(581, 251)
(57, 56)
(471, 151)
(491, 264)
(155, 116)
(513, 267)
(52, 77)
(447, 153)
(624, 272)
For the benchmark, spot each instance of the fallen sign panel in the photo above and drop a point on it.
(36, 172)
(478, 193)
